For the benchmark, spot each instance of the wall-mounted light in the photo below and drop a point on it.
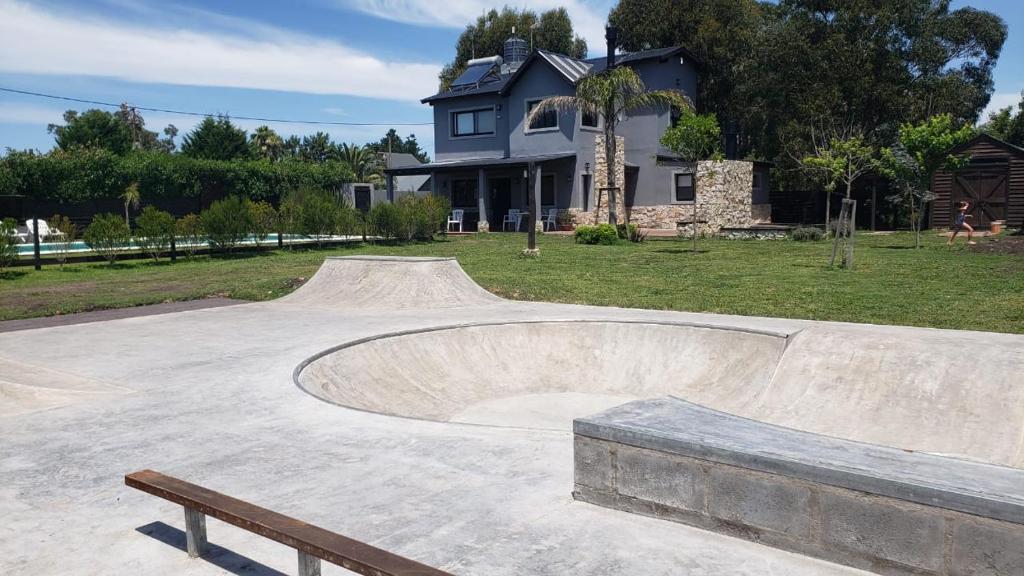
(586, 167)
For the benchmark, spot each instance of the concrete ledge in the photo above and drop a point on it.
(868, 506)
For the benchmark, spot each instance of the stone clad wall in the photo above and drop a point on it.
(724, 198)
(599, 204)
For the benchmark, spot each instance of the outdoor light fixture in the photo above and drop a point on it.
(586, 167)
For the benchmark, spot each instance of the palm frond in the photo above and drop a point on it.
(654, 99)
(557, 103)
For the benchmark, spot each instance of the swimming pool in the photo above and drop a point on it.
(80, 247)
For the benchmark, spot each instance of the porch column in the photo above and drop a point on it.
(483, 195)
(433, 183)
(532, 171)
(535, 214)
(391, 187)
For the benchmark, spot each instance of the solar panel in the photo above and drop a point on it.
(473, 74)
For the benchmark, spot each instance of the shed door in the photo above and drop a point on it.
(363, 198)
(985, 187)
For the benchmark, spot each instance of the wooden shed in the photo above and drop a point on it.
(993, 183)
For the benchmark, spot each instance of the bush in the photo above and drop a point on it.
(631, 233)
(155, 228)
(422, 216)
(189, 231)
(62, 233)
(108, 236)
(601, 234)
(8, 243)
(264, 220)
(806, 234)
(384, 220)
(226, 223)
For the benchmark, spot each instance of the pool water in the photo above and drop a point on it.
(79, 247)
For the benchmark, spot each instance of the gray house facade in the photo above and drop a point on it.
(487, 157)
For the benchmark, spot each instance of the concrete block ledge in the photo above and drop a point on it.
(874, 507)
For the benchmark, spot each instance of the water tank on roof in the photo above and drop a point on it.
(515, 52)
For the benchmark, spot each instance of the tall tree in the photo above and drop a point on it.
(216, 139)
(392, 142)
(92, 129)
(614, 94)
(1006, 125)
(552, 30)
(318, 148)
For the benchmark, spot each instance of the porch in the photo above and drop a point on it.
(556, 180)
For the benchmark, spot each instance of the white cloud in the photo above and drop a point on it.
(998, 102)
(20, 113)
(588, 16)
(35, 41)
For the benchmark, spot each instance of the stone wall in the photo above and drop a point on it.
(724, 199)
(599, 202)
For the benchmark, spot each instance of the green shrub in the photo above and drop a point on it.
(155, 228)
(421, 216)
(8, 243)
(189, 231)
(384, 220)
(62, 233)
(226, 223)
(631, 233)
(317, 212)
(806, 234)
(108, 236)
(264, 220)
(601, 234)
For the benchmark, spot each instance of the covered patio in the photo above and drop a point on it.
(506, 184)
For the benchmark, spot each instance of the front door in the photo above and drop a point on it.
(500, 200)
(985, 187)
(363, 198)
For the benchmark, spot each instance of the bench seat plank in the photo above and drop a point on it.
(313, 540)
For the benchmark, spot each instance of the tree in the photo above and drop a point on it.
(108, 236)
(1006, 125)
(9, 243)
(317, 148)
(362, 160)
(922, 150)
(132, 198)
(216, 139)
(486, 37)
(92, 129)
(62, 235)
(840, 155)
(155, 230)
(694, 137)
(266, 144)
(393, 143)
(613, 94)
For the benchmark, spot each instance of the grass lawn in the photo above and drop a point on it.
(936, 286)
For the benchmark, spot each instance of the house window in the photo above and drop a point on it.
(464, 193)
(547, 190)
(590, 119)
(683, 189)
(547, 120)
(473, 122)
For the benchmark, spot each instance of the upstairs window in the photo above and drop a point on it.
(473, 122)
(590, 119)
(683, 189)
(547, 120)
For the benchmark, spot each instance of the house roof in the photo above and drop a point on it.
(572, 69)
(476, 163)
(400, 159)
(996, 141)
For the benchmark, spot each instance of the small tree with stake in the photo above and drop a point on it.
(694, 137)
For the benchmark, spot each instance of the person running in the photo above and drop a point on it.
(960, 222)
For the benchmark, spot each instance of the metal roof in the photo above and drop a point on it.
(476, 163)
(572, 68)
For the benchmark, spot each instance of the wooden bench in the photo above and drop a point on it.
(312, 542)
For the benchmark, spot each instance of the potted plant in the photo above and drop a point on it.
(566, 220)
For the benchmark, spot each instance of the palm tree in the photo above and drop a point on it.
(612, 93)
(132, 198)
(266, 143)
(363, 161)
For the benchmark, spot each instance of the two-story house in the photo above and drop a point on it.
(487, 155)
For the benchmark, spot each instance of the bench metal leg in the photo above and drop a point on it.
(308, 565)
(195, 532)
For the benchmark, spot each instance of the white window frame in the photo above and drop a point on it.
(526, 114)
(580, 127)
(452, 124)
(672, 187)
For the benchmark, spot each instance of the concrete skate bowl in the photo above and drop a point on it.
(541, 374)
(354, 283)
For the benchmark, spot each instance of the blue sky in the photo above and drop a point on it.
(355, 61)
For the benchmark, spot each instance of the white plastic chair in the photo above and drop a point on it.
(455, 218)
(511, 218)
(550, 219)
(44, 230)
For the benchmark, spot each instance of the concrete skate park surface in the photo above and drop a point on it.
(208, 396)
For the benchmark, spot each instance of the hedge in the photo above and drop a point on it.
(86, 175)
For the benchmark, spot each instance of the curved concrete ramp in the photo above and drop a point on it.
(25, 388)
(391, 283)
(541, 374)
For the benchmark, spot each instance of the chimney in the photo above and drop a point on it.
(611, 34)
(731, 137)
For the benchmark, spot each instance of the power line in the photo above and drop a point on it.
(204, 114)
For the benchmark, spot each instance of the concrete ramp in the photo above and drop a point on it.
(25, 388)
(389, 283)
